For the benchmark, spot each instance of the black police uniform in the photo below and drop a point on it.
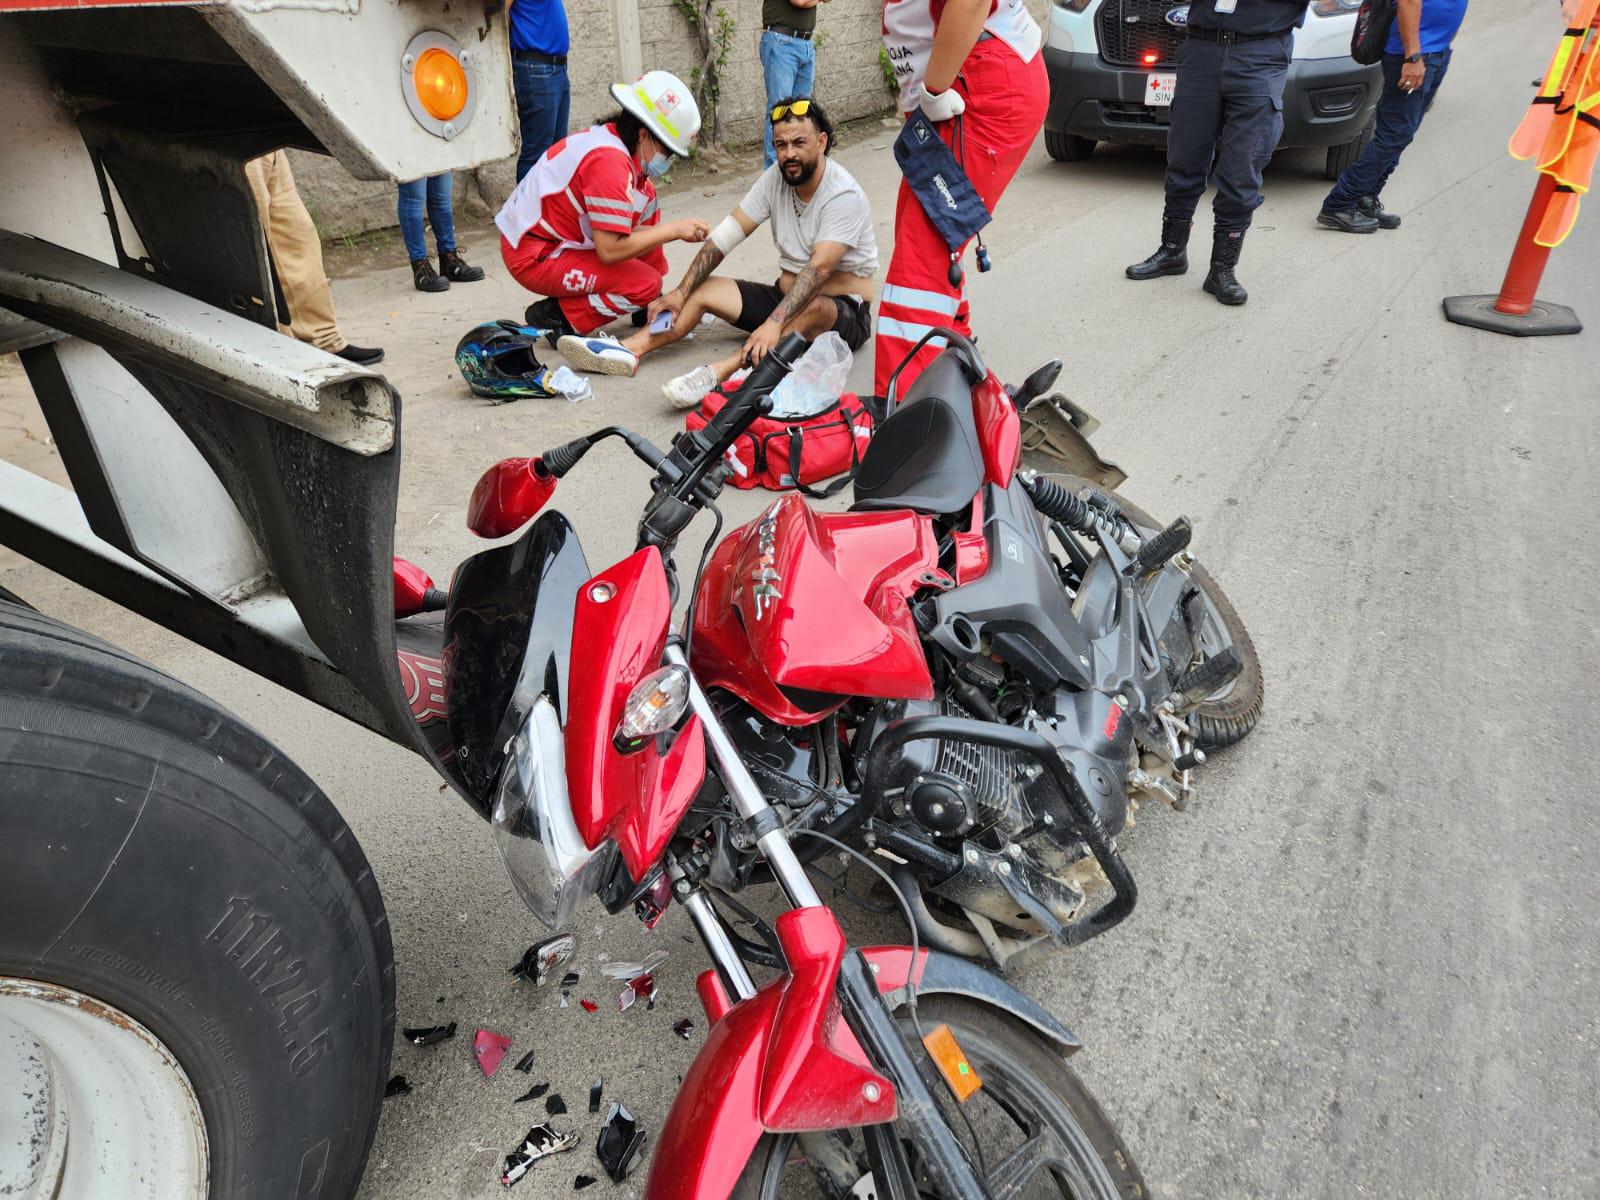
(1227, 116)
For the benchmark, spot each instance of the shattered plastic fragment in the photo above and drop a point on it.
(525, 1063)
(428, 1035)
(618, 1144)
(641, 988)
(583, 1181)
(533, 1093)
(564, 996)
(398, 1086)
(589, 1005)
(540, 1142)
(632, 970)
(570, 979)
(489, 1049)
(594, 1095)
(652, 905)
(540, 961)
(554, 1104)
(683, 1028)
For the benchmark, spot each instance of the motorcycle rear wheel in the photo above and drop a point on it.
(1028, 1093)
(1228, 715)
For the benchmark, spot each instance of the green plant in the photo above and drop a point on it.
(887, 68)
(713, 29)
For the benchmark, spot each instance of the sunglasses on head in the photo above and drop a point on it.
(798, 109)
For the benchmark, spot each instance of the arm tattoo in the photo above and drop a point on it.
(806, 285)
(704, 263)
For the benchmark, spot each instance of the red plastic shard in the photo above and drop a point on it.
(589, 1006)
(489, 1048)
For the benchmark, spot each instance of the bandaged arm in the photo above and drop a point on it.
(732, 230)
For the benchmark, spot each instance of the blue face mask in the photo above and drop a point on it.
(658, 166)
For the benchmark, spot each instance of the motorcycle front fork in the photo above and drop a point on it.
(860, 1003)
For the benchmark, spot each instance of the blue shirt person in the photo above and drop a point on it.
(539, 45)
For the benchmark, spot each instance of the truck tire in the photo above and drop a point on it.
(162, 864)
(1068, 147)
(1341, 156)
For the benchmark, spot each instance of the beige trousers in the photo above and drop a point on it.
(296, 252)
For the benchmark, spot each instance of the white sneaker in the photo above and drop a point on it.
(687, 390)
(597, 352)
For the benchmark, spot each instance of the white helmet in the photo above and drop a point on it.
(666, 107)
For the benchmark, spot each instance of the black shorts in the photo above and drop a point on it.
(757, 300)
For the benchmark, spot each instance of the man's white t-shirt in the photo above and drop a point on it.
(837, 212)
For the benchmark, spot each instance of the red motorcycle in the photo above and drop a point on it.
(617, 758)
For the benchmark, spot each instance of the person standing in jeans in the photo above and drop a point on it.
(788, 57)
(539, 44)
(1414, 64)
(434, 194)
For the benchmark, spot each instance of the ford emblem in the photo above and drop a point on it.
(1178, 17)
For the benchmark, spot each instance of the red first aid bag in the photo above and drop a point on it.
(782, 453)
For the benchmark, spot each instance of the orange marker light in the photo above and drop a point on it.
(441, 84)
(952, 1063)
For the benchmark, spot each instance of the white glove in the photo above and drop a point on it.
(940, 106)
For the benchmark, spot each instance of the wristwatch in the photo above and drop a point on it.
(1410, 58)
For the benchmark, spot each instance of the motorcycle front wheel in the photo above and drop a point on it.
(1037, 1127)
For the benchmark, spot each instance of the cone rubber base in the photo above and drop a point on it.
(1544, 319)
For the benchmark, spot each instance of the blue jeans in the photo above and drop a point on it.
(544, 105)
(1399, 117)
(789, 65)
(437, 189)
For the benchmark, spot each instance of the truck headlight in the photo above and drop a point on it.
(544, 853)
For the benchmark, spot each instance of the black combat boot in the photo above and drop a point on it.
(546, 314)
(1171, 259)
(454, 268)
(1371, 206)
(1225, 247)
(426, 278)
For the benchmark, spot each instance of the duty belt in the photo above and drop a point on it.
(1229, 37)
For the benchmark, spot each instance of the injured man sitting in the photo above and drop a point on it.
(822, 227)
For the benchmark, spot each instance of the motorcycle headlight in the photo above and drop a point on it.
(656, 704)
(544, 853)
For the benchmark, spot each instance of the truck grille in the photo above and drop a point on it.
(1130, 29)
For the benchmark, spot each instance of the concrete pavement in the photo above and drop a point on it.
(1365, 961)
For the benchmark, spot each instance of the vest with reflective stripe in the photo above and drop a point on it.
(549, 183)
(909, 26)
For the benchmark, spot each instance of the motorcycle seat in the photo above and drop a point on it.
(925, 455)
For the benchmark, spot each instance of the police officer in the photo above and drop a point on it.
(1227, 116)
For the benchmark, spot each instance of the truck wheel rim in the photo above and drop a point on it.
(104, 1107)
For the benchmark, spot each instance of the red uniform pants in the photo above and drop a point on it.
(1006, 101)
(591, 293)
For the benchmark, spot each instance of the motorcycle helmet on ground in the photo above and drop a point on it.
(497, 361)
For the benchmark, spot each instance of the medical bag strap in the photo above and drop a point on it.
(797, 436)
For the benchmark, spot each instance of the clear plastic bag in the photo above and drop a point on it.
(817, 381)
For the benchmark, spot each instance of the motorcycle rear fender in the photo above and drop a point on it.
(717, 1119)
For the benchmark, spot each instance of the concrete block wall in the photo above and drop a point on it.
(849, 81)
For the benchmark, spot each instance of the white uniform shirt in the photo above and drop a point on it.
(909, 26)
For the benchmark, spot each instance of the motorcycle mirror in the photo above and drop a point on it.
(414, 590)
(1036, 384)
(508, 495)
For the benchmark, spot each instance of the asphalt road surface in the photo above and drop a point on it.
(1364, 963)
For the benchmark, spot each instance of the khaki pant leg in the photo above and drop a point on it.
(296, 252)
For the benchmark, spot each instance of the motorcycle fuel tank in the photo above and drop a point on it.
(798, 611)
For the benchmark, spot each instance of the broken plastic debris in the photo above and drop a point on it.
(540, 1142)
(618, 1144)
(540, 961)
(554, 1104)
(525, 1063)
(570, 979)
(632, 970)
(594, 1095)
(589, 1005)
(641, 988)
(489, 1049)
(583, 1181)
(652, 905)
(397, 1086)
(683, 1028)
(533, 1093)
(564, 996)
(428, 1035)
